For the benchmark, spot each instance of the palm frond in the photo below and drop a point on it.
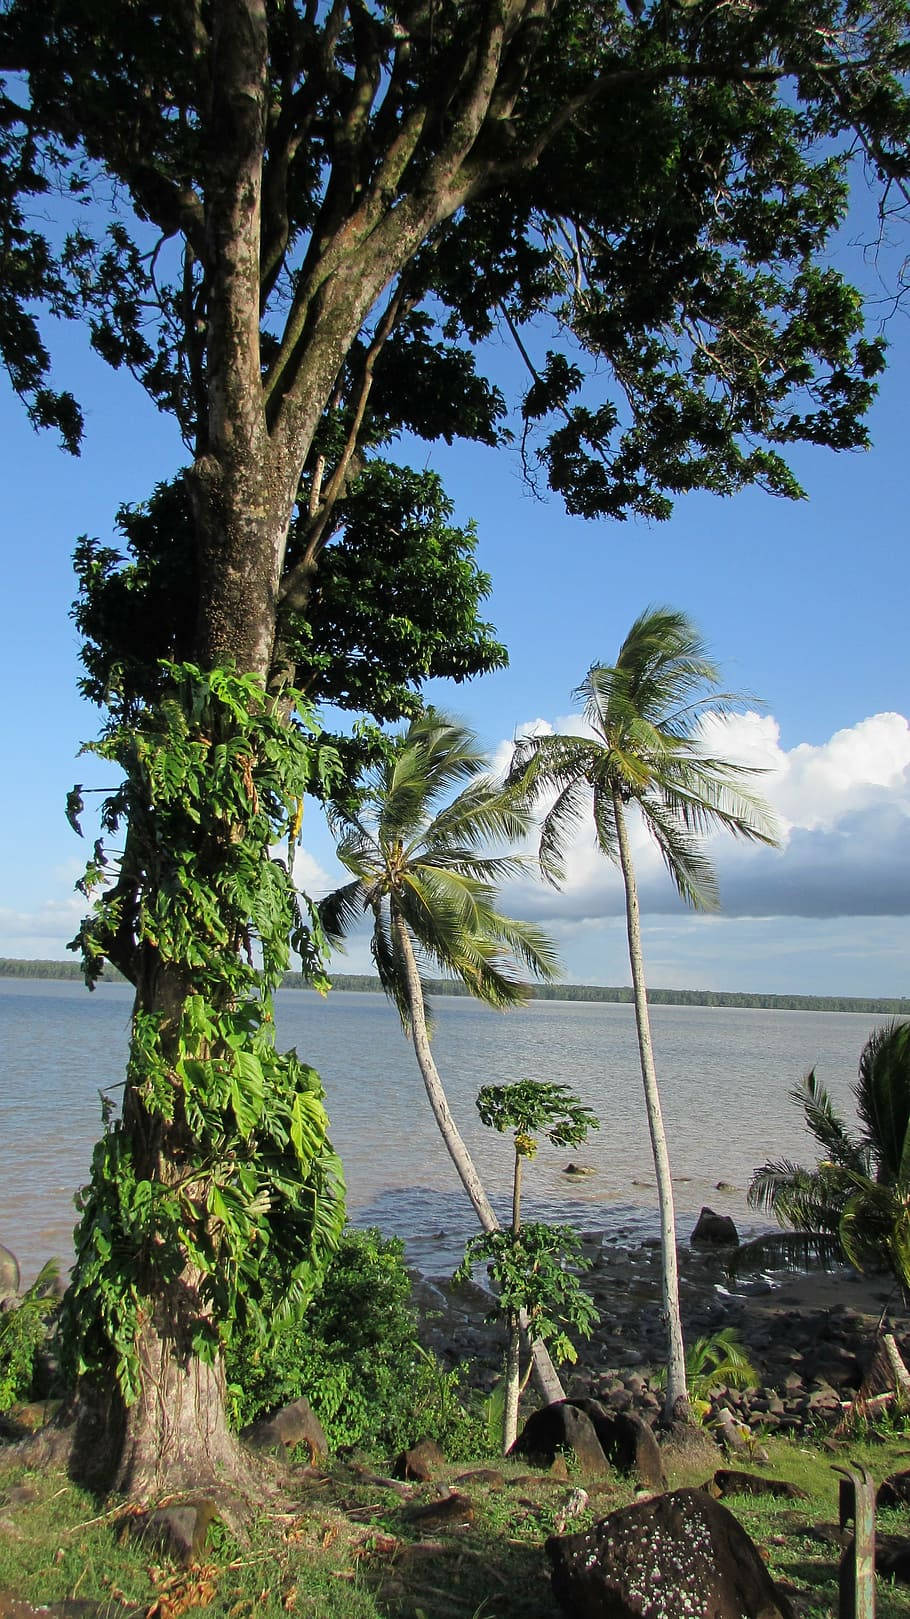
(826, 1125)
(340, 911)
(558, 825)
(390, 967)
(605, 821)
(809, 1199)
(883, 1095)
(483, 813)
(707, 794)
(787, 1250)
(688, 866)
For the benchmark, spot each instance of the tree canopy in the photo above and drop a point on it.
(320, 211)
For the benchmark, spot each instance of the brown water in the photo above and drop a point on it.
(724, 1078)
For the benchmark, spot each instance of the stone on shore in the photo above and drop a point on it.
(715, 1230)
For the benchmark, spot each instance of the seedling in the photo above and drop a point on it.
(533, 1265)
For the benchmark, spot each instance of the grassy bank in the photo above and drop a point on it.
(342, 1541)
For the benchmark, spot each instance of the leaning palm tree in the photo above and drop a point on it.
(645, 747)
(855, 1202)
(421, 868)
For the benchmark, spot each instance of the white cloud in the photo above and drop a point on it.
(843, 809)
(41, 934)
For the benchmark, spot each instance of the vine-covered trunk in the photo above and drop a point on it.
(176, 1434)
(218, 1180)
(677, 1398)
(545, 1375)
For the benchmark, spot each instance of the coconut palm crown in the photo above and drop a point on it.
(644, 715)
(420, 857)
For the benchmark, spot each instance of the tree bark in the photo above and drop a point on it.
(545, 1375)
(677, 1397)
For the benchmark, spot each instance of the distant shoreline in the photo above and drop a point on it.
(882, 1006)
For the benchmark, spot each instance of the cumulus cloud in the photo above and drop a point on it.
(843, 813)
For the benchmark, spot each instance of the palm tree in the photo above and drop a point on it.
(419, 864)
(644, 747)
(855, 1203)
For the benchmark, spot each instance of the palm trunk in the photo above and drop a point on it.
(676, 1358)
(544, 1371)
(513, 1358)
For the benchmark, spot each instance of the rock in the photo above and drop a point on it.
(423, 1462)
(894, 1491)
(448, 1510)
(733, 1436)
(295, 1424)
(715, 1230)
(619, 1400)
(626, 1441)
(726, 1482)
(556, 1428)
(892, 1557)
(674, 1554)
(489, 1476)
(9, 1275)
(179, 1530)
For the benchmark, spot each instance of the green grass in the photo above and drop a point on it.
(343, 1547)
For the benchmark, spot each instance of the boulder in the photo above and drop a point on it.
(9, 1275)
(715, 1230)
(556, 1428)
(892, 1557)
(449, 1511)
(423, 1462)
(727, 1481)
(681, 1553)
(295, 1424)
(894, 1491)
(627, 1442)
(179, 1530)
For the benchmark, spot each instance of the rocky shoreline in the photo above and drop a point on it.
(810, 1336)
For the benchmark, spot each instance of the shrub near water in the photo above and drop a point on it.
(356, 1357)
(23, 1330)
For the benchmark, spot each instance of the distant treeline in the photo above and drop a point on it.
(622, 995)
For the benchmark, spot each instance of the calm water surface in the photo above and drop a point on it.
(724, 1078)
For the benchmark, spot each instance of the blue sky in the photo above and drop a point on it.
(803, 604)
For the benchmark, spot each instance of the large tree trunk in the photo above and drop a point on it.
(176, 1434)
(677, 1398)
(545, 1375)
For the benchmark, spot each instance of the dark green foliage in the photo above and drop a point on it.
(212, 777)
(23, 1329)
(395, 602)
(660, 188)
(356, 1356)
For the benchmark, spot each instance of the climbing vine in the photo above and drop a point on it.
(217, 1174)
